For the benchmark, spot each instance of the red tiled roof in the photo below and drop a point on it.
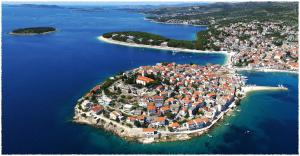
(96, 88)
(174, 124)
(145, 79)
(157, 97)
(164, 108)
(141, 117)
(159, 119)
(199, 120)
(148, 129)
(131, 118)
(150, 107)
(150, 104)
(170, 65)
(97, 108)
(191, 122)
(169, 100)
(211, 94)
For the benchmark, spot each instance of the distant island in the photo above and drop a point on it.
(39, 6)
(164, 102)
(222, 13)
(33, 31)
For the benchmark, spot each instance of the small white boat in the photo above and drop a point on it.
(227, 124)
(244, 77)
(281, 86)
(247, 132)
(209, 135)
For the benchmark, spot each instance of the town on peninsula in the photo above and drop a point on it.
(165, 102)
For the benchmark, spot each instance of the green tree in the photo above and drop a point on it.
(137, 124)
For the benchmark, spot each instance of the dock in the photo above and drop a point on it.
(250, 88)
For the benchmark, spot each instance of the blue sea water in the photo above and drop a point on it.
(43, 76)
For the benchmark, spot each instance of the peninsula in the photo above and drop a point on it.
(164, 102)
(33, 31)
(258, 36)
(257, 51)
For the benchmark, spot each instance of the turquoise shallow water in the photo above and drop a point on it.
(43, 76)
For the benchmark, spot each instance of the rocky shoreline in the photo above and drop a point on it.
(122, 133)
(103, 124)
(138, 137)
(125, 133)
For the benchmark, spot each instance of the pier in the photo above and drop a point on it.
(250, 88)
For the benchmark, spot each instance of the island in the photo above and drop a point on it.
(33, 31)
(163, 102)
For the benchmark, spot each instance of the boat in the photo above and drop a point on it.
(281, 86)
(247, 132)
(227, 124)
(243, 77)
(209, 135)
